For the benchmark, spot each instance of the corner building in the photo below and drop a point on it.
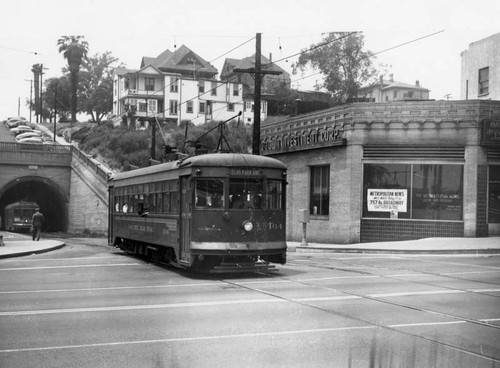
(391, 171)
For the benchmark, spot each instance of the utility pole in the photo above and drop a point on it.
(258, 75)
(55, 111)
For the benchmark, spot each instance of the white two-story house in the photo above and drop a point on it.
(176, 86)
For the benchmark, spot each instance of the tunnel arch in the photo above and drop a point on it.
(45, 192)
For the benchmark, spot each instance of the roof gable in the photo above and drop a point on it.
(150, 69)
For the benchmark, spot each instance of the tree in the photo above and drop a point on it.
(96, 85)
(63, 101)
(342, 61)
(74, 50)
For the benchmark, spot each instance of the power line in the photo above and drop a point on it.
(379, 52)
(20, 50)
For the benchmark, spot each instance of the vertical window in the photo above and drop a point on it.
(143, 106)
(230, 106)
(174, 84)
(173, 107)
(202, 108)
(319, 190)
(437, 192)
(236, 90)
(152, 106)
(149, 84)
(189, 106)
(381, 184)
(201, 86)
(213, 88)
(494, 195)
(484, 76)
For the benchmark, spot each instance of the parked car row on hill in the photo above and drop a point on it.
(24, 132)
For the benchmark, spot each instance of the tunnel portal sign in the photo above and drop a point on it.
(387, 200)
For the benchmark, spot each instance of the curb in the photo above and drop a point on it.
(392, 251)
(30, 252)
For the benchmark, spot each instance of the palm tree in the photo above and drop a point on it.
(74, 49)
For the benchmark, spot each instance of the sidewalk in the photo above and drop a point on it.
(17, 245)
(490, 245)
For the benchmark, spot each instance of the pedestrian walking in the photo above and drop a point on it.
(36, 224)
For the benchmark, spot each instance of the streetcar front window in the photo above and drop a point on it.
(245, 193)
(209, 193)
(274, 194)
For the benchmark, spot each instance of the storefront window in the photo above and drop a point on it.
(386, 190)
(320, 190)
(427, 192)
(437, 192)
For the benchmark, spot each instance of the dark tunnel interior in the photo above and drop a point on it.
(48, 199)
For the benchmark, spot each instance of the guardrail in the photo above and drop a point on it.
(101, 171)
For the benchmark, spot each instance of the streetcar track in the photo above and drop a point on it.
(393, 328)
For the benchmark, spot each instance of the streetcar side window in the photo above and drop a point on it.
(245, 193)
(209, 193)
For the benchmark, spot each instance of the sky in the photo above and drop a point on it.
(414, 40)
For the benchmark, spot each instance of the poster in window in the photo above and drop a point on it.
(387, 200)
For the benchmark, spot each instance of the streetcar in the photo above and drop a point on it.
(216, 212)
(18, 215)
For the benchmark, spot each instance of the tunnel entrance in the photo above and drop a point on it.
(45, 193)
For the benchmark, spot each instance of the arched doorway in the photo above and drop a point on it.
(45, 193)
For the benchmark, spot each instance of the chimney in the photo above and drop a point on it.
(391, 77)
(417, 84)
(270, 57)
(381, 80)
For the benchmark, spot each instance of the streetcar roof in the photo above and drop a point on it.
(233, 160)
(22, 204)
(207, 160)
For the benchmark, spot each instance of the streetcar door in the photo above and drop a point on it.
(185, 218)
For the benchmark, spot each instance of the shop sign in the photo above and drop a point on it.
(491, 132)
(304, 139)
(387, 200)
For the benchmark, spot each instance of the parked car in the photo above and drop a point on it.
(14, 123)
(31, 140)
(20, 129)
(33, 133)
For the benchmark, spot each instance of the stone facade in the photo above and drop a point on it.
(348, 137)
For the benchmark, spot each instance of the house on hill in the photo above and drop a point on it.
(230, 73)
(387, 90)
(176, 86)
(183, 61)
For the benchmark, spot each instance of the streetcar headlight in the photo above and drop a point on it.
(248, 226)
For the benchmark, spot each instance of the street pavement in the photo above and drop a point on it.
(16, 245)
